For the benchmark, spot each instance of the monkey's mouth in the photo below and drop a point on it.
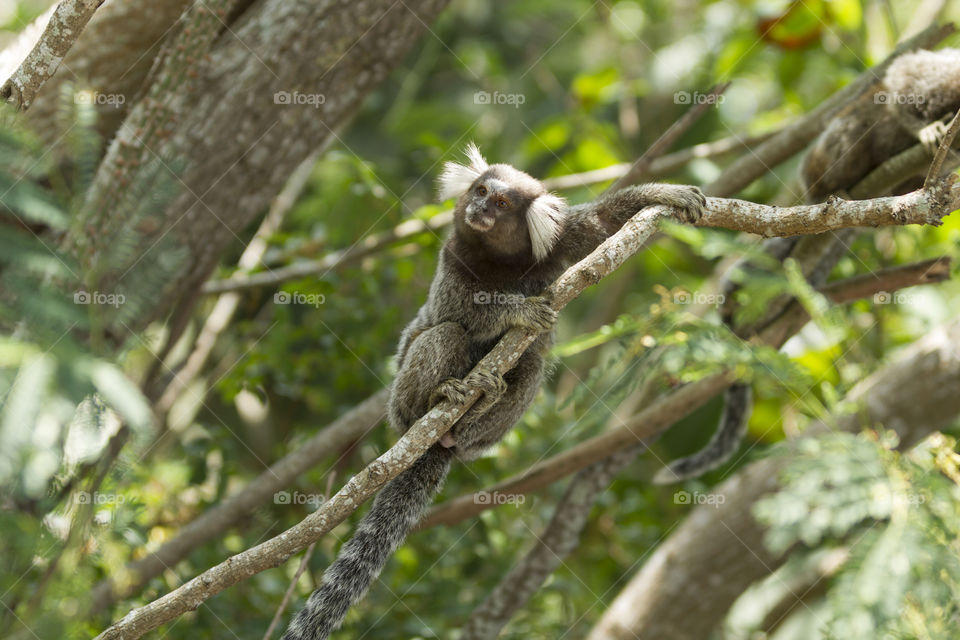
(479, 221)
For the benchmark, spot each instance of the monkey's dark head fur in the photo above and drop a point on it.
(500, 209)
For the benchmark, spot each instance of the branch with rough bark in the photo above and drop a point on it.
(675, 596)
(111, 56)
(923, 206)
(63, 29)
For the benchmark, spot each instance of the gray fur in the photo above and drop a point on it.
(488, 280)
(918, 92)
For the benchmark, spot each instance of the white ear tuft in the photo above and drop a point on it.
(477, 161)
(544, 221)
(457, 178)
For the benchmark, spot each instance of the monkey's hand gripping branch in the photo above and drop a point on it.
(925, 206)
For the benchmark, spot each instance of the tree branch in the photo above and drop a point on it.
(937, 164)
(923, 206)
(65, 25)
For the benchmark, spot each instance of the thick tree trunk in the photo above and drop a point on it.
(230, 143)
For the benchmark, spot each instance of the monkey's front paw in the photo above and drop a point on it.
(452, 389)
(688, 199)
(932, 135)
(538, 314)
(492, 385)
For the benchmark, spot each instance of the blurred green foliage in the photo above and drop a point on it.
(554, 88)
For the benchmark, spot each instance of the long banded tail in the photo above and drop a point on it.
(738, 401)
(395, 511)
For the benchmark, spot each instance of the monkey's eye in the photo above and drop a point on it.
(502, 204)
(481, 190)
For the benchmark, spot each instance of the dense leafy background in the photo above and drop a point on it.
(597, 82)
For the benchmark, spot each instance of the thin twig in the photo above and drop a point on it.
(671, 135)
(937, 164)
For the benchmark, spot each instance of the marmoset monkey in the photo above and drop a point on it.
(510, 240)
(919, 93)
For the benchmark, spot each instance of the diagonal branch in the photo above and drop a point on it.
(66, 23)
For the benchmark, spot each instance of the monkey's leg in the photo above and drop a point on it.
(477, 431)
(436, 355)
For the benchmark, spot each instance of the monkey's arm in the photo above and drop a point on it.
(586, 226)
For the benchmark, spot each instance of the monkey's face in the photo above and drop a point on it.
(503, 210)
(494, 208)
(490, 202)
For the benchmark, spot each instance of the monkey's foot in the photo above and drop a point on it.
(492, 385)
(536, 313)
(452, 389)
(688, 199)
(932, 135)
